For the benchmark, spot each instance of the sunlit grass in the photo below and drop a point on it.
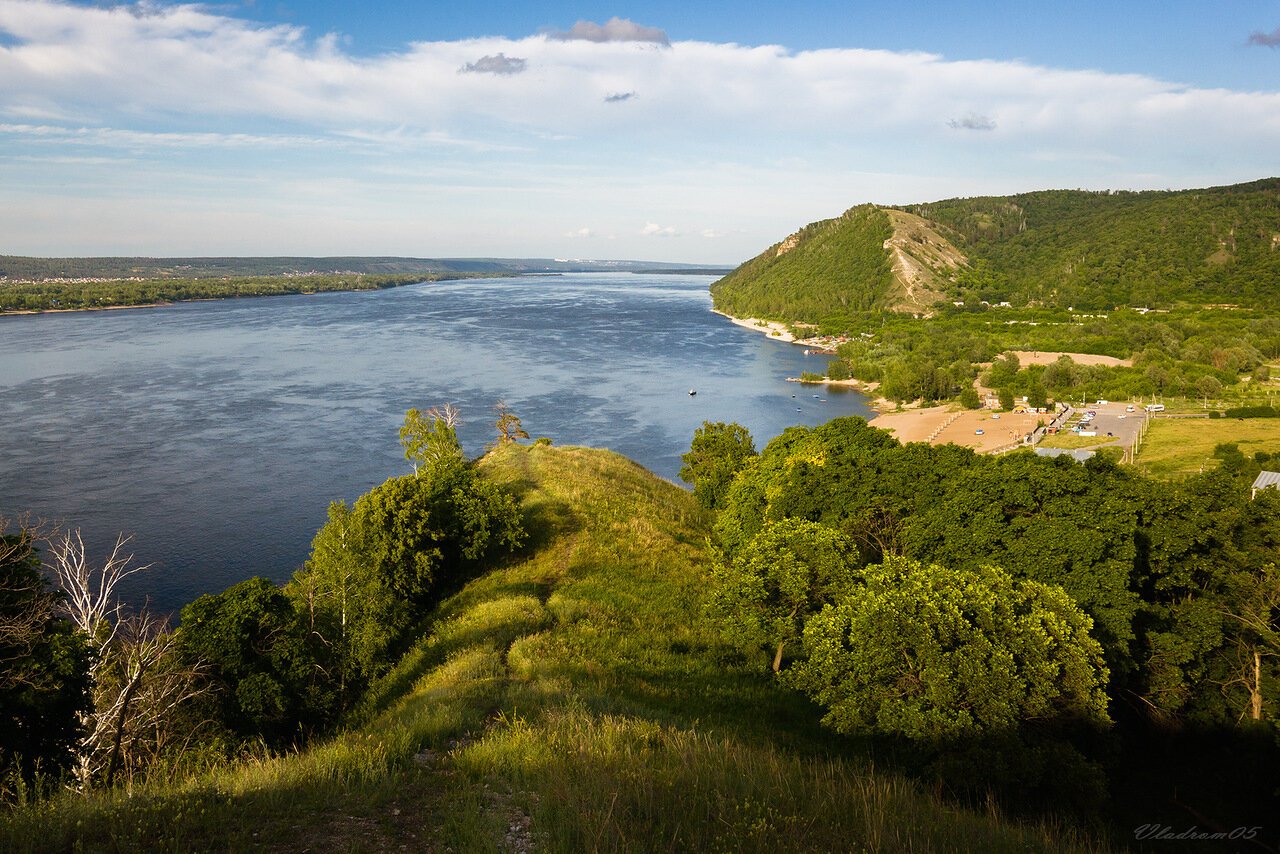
(1177, 447)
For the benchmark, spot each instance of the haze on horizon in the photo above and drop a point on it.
(651, 131)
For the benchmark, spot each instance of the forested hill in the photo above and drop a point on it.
(825, 270)
(1058, 248)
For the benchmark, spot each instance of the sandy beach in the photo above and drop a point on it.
(941, 425)
(1042, 357)
(772, 328)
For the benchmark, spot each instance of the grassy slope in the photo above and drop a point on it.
(572, 700)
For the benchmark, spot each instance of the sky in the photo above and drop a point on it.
(689, 132)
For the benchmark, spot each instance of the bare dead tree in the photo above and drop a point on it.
(92, 603)
(140, 701)
(449, 414)
(1257, 616)
(127, 649)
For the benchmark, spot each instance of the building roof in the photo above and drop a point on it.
(1267, 478)
(1077, 454)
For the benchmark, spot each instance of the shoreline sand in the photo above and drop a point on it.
(772, 328)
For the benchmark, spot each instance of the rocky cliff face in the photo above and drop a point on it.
(922, 260)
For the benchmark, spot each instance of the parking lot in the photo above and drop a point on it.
(1113, 423)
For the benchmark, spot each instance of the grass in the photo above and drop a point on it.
(573, 700)
(1071, 441)
(1177, 447)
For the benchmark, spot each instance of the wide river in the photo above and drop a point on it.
(217, 433)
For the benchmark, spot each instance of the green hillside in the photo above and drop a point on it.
(1052, 249)
(1098, 250)
(574, 699)
(826, 270)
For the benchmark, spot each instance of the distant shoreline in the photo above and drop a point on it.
(31, 311)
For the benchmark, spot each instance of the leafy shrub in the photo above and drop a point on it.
(1252, 412)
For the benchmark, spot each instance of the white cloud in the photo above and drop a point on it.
(758, 140)
(125, 138)
(190, 62)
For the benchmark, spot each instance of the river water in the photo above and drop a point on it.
(217, 433)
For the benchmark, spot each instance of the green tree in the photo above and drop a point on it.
(716, 454)
(1061, 375)
(786, 573)
(1003, 371)
(1208, 387)
(935, 654)
(431, 438)
(969, 398)
(268, 671)
(845, 474)
(508, 424)
(343, 600)
(1048, 520)
(44, 665)
(376, 567)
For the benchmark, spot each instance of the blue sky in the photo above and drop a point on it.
(668, 131)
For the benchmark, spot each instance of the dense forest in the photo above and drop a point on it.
(826, 271)
(1100, 250)
(1060, 632)
(1056, 249)
(113, 293)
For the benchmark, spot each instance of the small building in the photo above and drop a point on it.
(1077, 454)
(1265, 480)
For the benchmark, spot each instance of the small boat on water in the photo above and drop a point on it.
(692, 392)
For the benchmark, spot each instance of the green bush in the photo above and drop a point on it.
(1252, 412)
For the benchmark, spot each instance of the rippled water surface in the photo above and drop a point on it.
(218, 432)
